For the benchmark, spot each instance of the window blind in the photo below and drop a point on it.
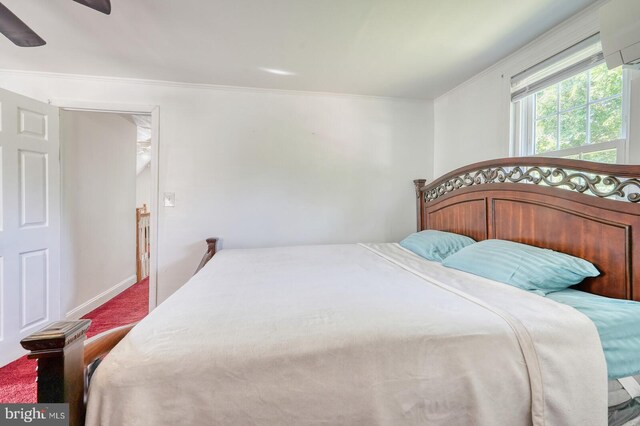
(571, 61)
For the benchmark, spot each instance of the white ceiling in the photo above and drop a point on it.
(405, 48)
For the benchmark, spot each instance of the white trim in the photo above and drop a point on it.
(514, 130)
(12, 355)
(154, 206)
(201, 86)
(627, 77)
(154, 110)
(75, 105)
(100, 299)
(617, 144)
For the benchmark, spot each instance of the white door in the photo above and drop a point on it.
(29, 220)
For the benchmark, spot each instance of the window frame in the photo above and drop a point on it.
(524, 121)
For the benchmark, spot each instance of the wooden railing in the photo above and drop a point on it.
(142, 242)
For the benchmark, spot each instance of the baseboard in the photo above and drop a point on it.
(101, 299)
(11, 355)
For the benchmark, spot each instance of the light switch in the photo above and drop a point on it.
(169, 199)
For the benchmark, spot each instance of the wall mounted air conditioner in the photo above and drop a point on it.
(620, 32)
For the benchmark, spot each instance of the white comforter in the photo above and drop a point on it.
(351, 334)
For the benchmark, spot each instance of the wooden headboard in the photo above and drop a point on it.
(589, 210)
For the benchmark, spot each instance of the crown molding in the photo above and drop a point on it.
(201, 86)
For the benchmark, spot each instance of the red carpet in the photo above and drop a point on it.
(17, 380)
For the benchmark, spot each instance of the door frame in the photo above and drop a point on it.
(154, 111)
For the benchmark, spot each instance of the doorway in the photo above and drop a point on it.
(106, 191)
(143, 194)
(144, 183)
(31, 232)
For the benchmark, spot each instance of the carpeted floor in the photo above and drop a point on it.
(17, 380)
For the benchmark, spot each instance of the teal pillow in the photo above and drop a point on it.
(530, 268)
(435, 245)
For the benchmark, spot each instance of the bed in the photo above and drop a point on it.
(372, 333)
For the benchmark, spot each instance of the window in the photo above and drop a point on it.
(575, 110)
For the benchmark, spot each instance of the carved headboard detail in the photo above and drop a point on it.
(585, 209)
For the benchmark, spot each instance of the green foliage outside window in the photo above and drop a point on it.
(581, 110)
(606, 156)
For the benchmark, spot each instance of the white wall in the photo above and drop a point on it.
(472, 121)
(98, 159)
(266, 168)
(143, 187)
(634, 120)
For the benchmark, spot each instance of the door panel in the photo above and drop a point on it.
(29, 220)
(33, 188)
(32, 124)
(34, 274)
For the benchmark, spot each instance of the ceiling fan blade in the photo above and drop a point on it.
(17, 31)
(103, 6)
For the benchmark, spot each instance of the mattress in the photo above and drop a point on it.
(351, 334)
(618, 324)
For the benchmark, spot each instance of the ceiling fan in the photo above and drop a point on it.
(21, 35)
